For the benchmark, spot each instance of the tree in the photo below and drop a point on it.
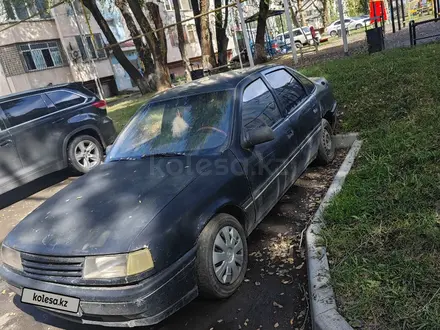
(324, 12)
(157, 44)
(300, 10)
(181, 38)
(142, 49)
(134, 74)
(260, 49)
(220, 33)
(208, 59)
(196, 11)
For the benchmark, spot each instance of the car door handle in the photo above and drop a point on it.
(290, 133)
(58, 121)
(5, 143)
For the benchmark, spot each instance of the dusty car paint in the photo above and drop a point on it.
(127, 205)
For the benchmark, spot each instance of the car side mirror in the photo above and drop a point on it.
(108, 149)
(258, 136)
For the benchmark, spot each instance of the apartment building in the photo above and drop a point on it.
(47, 49)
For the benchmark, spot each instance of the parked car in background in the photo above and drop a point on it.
(359, 22)
(45, 130)
(299, 36)
(334, 27)
(166, 217)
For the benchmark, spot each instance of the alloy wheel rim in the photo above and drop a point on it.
(87, 154)
(227, 255)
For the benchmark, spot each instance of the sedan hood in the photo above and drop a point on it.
(101, 212)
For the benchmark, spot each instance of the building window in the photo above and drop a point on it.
(98, 53)
(191, 33)
(20, 10)
(41, 55)
(172, 33)
(78, 8)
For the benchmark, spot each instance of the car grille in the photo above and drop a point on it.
(53, 269)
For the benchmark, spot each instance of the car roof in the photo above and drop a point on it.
(28, 92)
(218, 82)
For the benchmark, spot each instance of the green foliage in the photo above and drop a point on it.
(383, 229)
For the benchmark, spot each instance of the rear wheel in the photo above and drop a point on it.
(333, 34)
(326, 151)
(222, 257)
(85, 153)
(358, 26)
(298, 45)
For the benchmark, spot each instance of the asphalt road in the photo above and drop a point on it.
(274, 294)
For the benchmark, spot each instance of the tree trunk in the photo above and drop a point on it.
(186, 62)
(208, 59)
(142, 49)
(134, 74)
(260, 49)
(325, 13)
(293, 16)
(220, 32)
(302, 20)
(196, 11)
(155, 45)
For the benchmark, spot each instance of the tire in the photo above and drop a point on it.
(358, 26)
(298, 45)
(92, 156)
(210, 286)
(333, 33)
(326, 150)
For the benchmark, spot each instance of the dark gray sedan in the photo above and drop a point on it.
(166, 217)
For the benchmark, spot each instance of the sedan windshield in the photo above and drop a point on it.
(197, 124)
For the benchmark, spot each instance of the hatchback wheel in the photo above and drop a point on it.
(85, 153)
(326, 151)
(222, 257)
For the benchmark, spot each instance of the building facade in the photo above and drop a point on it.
(47, 49)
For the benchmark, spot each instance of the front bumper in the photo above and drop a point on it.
(145, 303)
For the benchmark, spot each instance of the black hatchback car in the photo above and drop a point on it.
(46, 130)
(166, 217)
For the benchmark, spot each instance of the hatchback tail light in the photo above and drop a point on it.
(102, 105)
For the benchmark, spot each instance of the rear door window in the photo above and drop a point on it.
(65, 99)
(24, 109)
(288, 89)
(259, 108)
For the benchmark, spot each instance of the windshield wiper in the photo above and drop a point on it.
(163, 154)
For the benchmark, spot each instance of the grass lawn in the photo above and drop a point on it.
(121, 112)
(383, 229)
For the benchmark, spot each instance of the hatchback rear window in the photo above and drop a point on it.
(65, 99)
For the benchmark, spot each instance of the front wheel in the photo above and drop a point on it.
(326, 150)
(358, 26)
(222, 257)
(85, 153)
(333, 34)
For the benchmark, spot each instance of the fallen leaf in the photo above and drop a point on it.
(277, 304)
(276, 325)
(220, 321)
(300, 266)
(4, 291)
(291, 321)
(79, 197)
(257, 283)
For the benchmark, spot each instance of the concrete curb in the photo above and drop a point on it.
(324, 312)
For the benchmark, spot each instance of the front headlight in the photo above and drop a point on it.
(119, 265)
(11, 257)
